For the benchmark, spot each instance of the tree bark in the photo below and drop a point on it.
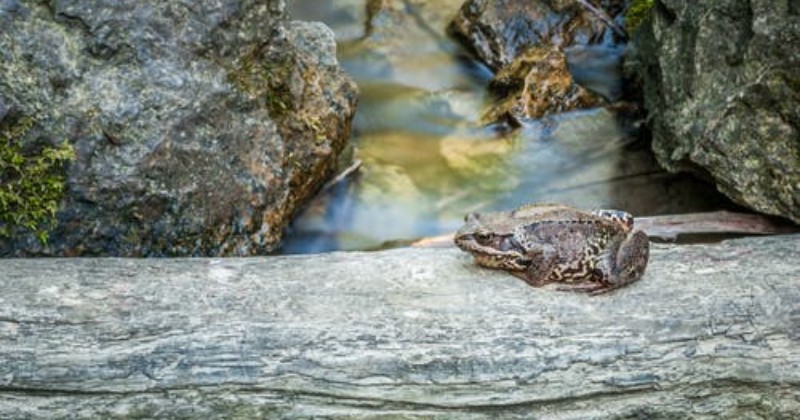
(710, 331)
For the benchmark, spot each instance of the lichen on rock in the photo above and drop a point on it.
(721, 86)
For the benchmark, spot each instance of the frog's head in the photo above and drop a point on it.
(489, 233)
(489, 238)
(473, 234)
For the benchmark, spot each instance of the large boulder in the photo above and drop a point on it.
(199, 128)
(723, 91)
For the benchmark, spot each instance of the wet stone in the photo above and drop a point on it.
(537, 83)
(497, 31)
(4, 109)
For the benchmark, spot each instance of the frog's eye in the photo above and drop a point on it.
(483, 236)
(471, 217)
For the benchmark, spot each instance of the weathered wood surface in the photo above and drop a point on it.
(711, 331)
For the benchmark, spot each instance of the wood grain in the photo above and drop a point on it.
(710, 331)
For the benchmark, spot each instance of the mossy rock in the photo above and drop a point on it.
(203, 139)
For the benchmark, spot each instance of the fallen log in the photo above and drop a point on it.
(710, 331)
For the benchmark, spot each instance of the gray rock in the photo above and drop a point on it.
(722, 88)
(199, 128)
(3, 110)
(711, 331)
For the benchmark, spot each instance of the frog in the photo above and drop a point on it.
(592, 251)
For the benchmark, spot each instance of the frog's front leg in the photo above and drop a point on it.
(542, 261)
(623, 263)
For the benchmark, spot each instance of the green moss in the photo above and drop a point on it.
(265, 79)
(637, 12)
(31, 181)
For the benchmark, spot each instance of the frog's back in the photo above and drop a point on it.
(576, 236)
(565, 233)
(546, 211)
(551, 216)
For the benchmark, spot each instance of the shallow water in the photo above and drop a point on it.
(426, 161)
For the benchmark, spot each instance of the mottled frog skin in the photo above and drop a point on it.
(590, 251)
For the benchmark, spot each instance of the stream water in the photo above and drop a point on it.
(425, 159)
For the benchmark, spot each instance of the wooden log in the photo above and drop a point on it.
(710, 331)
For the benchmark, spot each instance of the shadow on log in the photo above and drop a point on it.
(711, 330)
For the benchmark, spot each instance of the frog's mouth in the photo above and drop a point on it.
(465, 241)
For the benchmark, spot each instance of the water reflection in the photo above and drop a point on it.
(425, 159)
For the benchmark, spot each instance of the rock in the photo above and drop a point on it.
(498, 31)
(711, 331)
(536, 83)
(4, 109)
(199, 129)
(534, 46)
(723, 91)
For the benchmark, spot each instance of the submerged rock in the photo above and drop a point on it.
(500, 30)
(535, 84)
(198, 128)
(723, 91)
(525, 43)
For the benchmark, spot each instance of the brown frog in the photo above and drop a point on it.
(594, 251)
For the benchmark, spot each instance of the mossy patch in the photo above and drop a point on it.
(32, 180)
(637, 12)
(265, 79)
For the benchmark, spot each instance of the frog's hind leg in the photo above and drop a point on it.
(623, 263)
